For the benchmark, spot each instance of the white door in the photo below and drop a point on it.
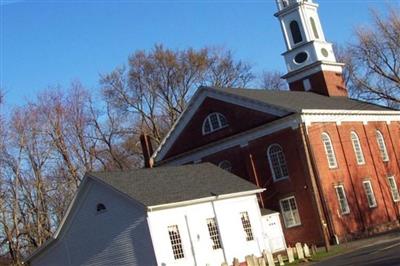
(274, 233)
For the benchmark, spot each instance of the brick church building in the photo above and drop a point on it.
(330, 164)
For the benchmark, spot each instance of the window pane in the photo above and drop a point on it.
(382, 146)
(176, 242)
(330, 153)
(277, 162)
(370, 194)
(393, 188)
(246, 226)
(214, 233)
(357, 148)
(343, 204)
(289, 211)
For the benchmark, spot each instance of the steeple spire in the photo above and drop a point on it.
(310, 60)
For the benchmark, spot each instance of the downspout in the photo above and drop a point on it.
(220, 237)
(322, 209)
(191, 241)
(253, 168)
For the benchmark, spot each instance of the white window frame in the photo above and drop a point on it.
(393, 188)
(219, 117)
(226, 165)
(295, 218)
(358, 152)
(369, 193)
(176, 245)
(330, 155)
(213, 232)
(382, 146)
(246, 224)
(345, 210)
(281, 164)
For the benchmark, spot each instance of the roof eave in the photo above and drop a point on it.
(203, 200)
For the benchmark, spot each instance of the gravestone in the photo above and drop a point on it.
(261, 262)
(249, 260)
(236, 262)
(299, 249)
(223, 264)
(290, 254)
(255, 261)
(306, 251)
(269, 258)
(280, 260)
(314, 249)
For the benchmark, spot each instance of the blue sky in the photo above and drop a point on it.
(45, 43)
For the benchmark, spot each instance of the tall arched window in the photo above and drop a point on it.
(214, 122)
(330, 153)
(277, 162)
(296, 33)
(382, 146)
(357, 148)
(314, 28)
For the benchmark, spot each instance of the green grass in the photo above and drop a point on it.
(335, 250)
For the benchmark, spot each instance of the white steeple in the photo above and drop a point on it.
(307, 50)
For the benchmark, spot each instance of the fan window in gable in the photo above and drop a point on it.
(226, 165)
(277, 162)
(214, 122)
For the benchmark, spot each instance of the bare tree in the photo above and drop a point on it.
(158, 84)
(271, 80)
(373, 61)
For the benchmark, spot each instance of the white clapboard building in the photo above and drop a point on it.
(186, 215)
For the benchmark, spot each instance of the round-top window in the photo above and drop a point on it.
(300, 57)
(324, 52)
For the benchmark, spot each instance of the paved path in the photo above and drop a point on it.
(374, 254)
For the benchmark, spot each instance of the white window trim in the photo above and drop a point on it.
(208, 118)
(395, 187)
(335, 165)
(382, 148)
(372, 191)
(359, 154)
(347, 211)
(271, 166)
(297, 209)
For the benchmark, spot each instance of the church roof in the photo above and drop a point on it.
(173, 184)
(296, 101)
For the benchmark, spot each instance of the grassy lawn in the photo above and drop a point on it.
(335, 250)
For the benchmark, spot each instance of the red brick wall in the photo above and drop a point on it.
(239, 119)
(297, 184)
(323, 82)
(351, 175)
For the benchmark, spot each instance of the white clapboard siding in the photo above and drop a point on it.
(118, 236)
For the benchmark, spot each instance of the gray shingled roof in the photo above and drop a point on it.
(163, 185)
(295, 101)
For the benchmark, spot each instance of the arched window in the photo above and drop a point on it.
(296, 33)
(357, 148)
(226, 165)
(214, 122)
(330, 153)
(382, 146)
(100, 207)
(314, 28)
(277, 162)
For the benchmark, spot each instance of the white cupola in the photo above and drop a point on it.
(307, 50)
